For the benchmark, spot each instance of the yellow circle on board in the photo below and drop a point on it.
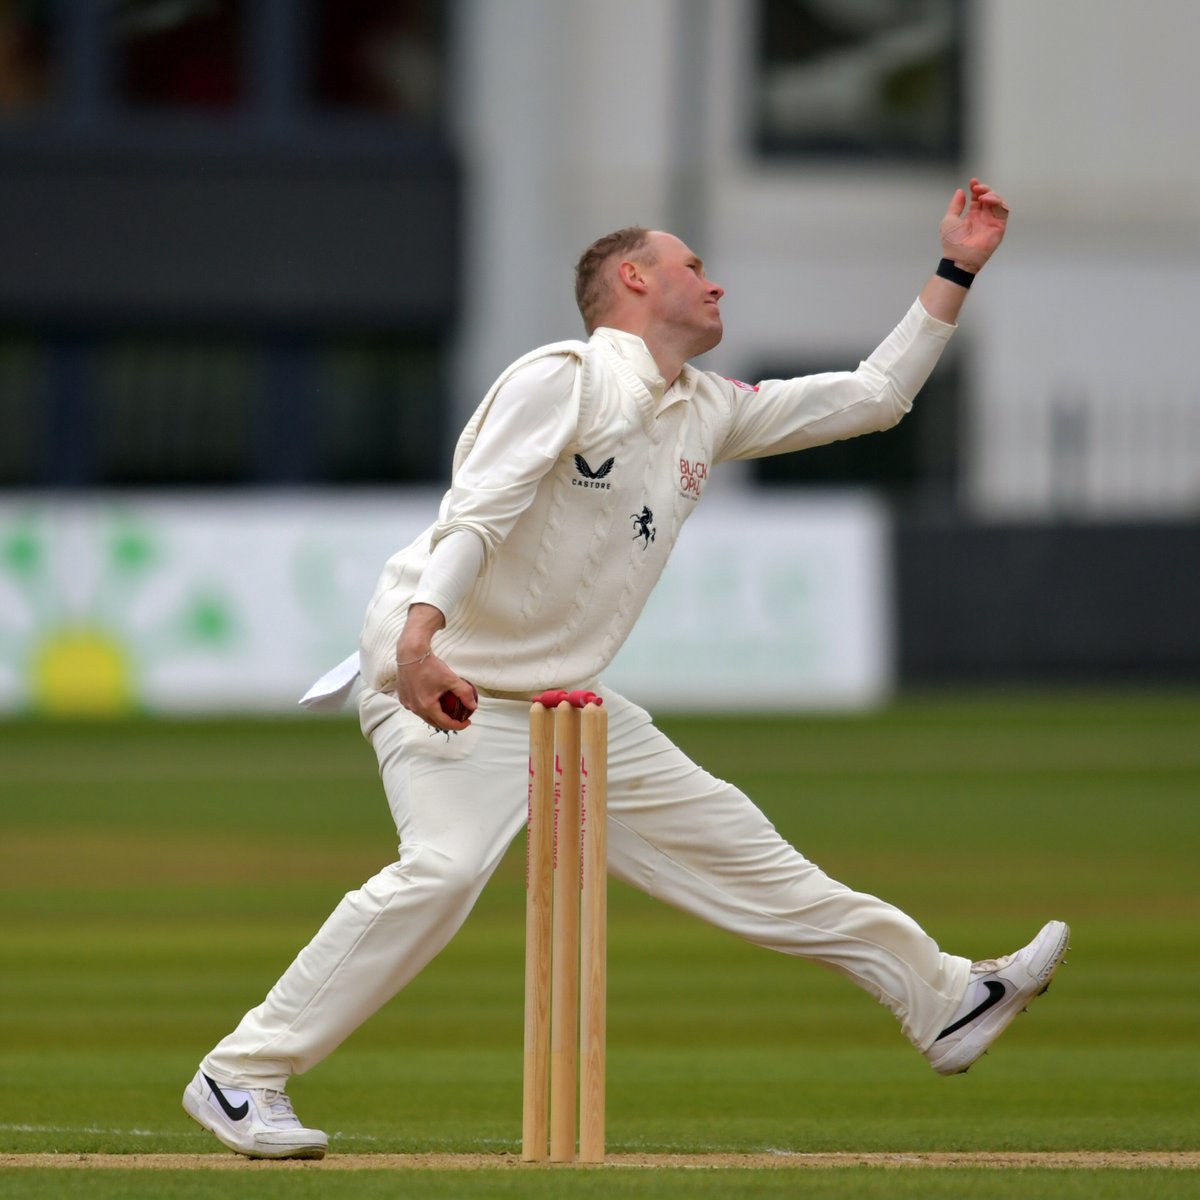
(81, 672)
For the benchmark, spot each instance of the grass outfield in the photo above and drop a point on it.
(155, 878)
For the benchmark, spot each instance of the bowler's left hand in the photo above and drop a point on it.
(973, 226)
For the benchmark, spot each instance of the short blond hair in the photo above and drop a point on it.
(591, 287)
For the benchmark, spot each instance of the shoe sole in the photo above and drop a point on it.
(309, 1152)
(1004, 1014)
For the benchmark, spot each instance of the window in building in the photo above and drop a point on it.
(380, 408)
(179, 54)
(192, 408)
(860, 78)
(24, 384)
(378, 56)
(26, 63)
(174, 410)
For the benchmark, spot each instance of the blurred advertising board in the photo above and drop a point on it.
(122, 603)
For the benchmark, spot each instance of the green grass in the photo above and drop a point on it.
(155, 878)
(837, 1184)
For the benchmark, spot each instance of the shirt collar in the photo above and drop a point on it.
(633, 351)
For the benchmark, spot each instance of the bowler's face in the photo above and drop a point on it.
(685, 298)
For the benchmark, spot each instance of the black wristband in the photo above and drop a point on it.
(947, 270)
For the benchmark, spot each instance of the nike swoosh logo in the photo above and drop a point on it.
(996, 992)
(237, 1113)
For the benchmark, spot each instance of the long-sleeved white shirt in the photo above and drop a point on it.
(571, 484)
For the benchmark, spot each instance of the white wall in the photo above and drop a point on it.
(579, 117)
(1086, 399)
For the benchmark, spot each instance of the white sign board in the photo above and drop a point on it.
(768, 604)
(146, 602)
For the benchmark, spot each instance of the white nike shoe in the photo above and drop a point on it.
(257, 1122)
(1000, 988)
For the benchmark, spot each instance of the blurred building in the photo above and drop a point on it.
(232, 236)
(290, 242)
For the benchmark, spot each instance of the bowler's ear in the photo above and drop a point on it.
(630, 274)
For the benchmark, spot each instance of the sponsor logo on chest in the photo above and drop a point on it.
(693, 474)
(691, 477)
(587, 476)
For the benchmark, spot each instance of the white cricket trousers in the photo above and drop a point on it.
(675, 831)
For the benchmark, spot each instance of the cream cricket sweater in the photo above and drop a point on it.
(577, 473)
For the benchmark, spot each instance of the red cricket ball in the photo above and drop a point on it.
(453, 707)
